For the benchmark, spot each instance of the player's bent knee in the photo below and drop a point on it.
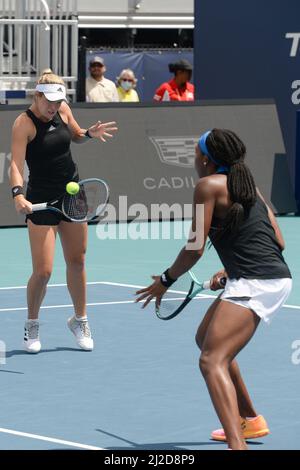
(209, 363)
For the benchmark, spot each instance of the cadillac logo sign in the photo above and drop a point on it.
(178, 151)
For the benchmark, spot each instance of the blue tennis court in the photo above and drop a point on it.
(140, 388)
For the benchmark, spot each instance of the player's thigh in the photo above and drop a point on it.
(201, 332)
(42, 243)
(73, 238)
(230, 329)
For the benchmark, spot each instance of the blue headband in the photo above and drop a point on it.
(203, 147)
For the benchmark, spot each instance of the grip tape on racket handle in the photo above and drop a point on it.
(39, 207)
(206, 285)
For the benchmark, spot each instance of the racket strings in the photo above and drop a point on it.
(76, 206)
(88, 203)
(174, 298)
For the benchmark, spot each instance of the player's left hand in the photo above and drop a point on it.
(155, 290)
(103, 130)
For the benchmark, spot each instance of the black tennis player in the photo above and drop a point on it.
(246, 236)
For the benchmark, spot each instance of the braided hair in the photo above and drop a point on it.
(228, 149)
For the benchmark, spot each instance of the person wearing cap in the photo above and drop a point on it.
(98, 88)
(179, 88)
(41, 137)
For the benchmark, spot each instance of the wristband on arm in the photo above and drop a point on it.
(16, 190)
(87, 134)
(166, 280)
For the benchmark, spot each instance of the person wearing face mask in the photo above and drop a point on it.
(126, 83)
(179, 88)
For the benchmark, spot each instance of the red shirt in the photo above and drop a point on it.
(169, 91)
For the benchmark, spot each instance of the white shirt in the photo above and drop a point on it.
(104, 91)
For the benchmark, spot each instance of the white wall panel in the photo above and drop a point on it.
(167, 6)
(101, 6)
(147, 6)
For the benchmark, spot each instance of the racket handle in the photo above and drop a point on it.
(206, 285)
(39, 207)
(222, 281)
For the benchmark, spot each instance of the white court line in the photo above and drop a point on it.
(93, 304)
(70, 305)
(296, 307)
(65, 285)
(50, 439)
(117, 302)
(117, 284)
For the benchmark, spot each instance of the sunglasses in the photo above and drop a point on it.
(97, 65)
(127, 80)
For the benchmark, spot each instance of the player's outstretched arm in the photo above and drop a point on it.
(100, 130)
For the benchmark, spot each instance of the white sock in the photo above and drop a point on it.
(81, 318)
(32, 321)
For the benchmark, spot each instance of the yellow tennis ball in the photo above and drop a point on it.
(72, 188)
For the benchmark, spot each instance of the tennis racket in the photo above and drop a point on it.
(86, 205)
(185, 289)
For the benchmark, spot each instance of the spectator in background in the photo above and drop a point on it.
(126, 83)
(179, 88)
(98, 88)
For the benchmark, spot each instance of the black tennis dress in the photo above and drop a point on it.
(253, 252)
(50, 164)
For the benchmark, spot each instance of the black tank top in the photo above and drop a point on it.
(253, 252)
(49, 159)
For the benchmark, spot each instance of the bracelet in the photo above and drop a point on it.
(16, 190)
(166, 280)
(87, 134)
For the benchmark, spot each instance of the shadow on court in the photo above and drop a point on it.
(11, 372)
(21, 352)
(154, 445)
(164, 445)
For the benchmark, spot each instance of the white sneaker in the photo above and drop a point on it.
(31, 341)
(82, 333)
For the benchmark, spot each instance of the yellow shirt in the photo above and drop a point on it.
(129, 96)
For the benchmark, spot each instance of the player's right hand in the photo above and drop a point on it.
(215, 280)
(22, 205)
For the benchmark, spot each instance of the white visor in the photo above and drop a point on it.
(53, 91)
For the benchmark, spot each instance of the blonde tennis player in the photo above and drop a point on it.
(41, 136)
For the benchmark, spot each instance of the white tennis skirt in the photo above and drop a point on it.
(263, 296)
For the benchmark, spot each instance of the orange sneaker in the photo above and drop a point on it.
(252, 429)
